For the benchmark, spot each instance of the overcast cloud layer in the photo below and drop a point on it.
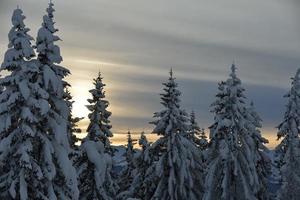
(135, 42)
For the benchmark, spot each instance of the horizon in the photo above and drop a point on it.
(135, 51)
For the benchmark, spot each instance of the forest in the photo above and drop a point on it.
(41, 157)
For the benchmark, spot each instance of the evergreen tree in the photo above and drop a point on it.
(232, 157)
(197, 136)
(143, 142)
(128, 174)
(289, 147)
(142, 161)
(53, 75)
(99, 114)
(259, 151)
(176, 173)
(51, 79)
(195, 133)
(28, 165)
(72, 128)
(129, 150)
(94, 165)
(20, 117)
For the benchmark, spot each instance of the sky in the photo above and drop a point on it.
(134, 43)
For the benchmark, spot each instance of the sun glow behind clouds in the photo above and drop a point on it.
(81, 81)
(135, 50)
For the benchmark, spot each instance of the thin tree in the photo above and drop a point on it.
(259, 151)
(289, 147)
(51, 80)
(72, 126)
(195, 133)
(94, 165)
(128, 174)
(99, 114)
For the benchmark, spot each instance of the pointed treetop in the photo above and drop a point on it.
(296, 81)
(50, 9)
(143, 142)
(98, 82)
(233, 70)
(297, 74)
(17, 18)
(99, 74)
(19, 40)
(171, 73)
(171, 77)
(129, 135)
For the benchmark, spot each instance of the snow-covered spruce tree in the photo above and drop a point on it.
(94, 166)
(142, 161)
(259, 155)
(99, 114)
(51, 79)
(143, 142)
(128, 174)
(197, 136)
(49, 56)
(195, 133)
(130, 150)
(232, 156)
(193, 130)
(289, 148)
(27, 167)
(177, 172)
(72, 127)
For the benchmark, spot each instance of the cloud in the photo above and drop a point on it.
(134, 43)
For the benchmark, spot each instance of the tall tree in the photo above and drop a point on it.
(232, 172)
(20, 117)
(289, 147)
(259, 151)
(28, 165)
(51, 79)
(99, 114)
(177, 171)
(94, 165)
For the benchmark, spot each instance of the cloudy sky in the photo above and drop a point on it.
(135, 42)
